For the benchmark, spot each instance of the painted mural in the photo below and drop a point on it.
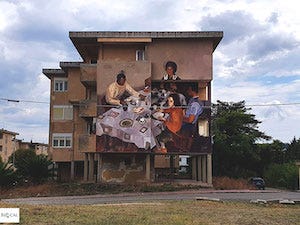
(161, 116)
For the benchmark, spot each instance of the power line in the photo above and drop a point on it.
(247, 105)
(20, 100)
(275, 104)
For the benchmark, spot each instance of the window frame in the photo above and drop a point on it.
(59, 140)
(137, 55)
(63, 84)
(64, 115)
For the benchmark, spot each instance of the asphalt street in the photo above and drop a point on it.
(231, 195)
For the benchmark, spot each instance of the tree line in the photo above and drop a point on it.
(240, 150)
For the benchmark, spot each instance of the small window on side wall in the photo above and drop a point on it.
(61, 140)
(139, 55)
(60, 85)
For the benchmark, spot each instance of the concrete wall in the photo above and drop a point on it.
(120, 52)
(123, 169)
(76, 92)
(8, 146)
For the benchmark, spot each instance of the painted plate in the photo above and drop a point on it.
(126, 123)
(157, 115)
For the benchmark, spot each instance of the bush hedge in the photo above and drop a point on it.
(282, 176)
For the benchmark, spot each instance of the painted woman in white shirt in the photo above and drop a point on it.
(171, 68)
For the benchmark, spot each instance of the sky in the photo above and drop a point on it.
(256, 61)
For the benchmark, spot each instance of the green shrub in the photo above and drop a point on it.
(8, 176)
(36, 169)
(282, 175)
(20, 155)
(32, 167)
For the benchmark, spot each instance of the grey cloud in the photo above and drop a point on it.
(283, 66)
(231, 63)
(237, 25)
(264, 44)
(273, 18)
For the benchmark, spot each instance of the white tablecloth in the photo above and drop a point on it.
(142, 134)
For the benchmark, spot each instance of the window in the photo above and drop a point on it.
(62, 140)
(60, 85)
(93, 61)
(0, 148)
(62, 112)
(139, 55)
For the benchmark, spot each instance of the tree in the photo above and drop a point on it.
(293, 150)
(235, 133)
(30, 166)
(270, 153)
(7, 175)
(282, 175)
(37, 169)
(20, 155)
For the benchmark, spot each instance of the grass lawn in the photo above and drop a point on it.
(164, 212)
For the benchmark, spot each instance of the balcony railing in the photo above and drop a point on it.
(88, 108)
(87, 143)
(88, 74)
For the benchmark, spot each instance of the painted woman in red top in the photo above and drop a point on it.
(173, 122)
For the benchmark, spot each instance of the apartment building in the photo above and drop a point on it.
(92, 141)
(8, 144)
(39, 148)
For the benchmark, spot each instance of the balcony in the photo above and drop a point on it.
(88, 108)
(87, 143)
(88, 75)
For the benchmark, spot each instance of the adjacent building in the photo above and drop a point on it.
(85, 147)
(9, 144)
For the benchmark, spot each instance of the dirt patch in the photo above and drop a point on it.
(77, 188)
(226, 183)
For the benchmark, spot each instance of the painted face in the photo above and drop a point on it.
(170, 71)
(122, 81)
(190, 92)
(170, 101)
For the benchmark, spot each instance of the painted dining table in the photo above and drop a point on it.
(132, 124)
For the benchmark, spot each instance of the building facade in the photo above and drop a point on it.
(8, 144)
(87, 146)
(39, 148)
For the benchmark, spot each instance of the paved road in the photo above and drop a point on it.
(234, 195)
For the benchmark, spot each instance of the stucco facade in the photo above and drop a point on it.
(8, 144)
(78, 87)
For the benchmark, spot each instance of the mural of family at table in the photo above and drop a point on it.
(162, 117)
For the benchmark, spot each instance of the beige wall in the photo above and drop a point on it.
(193, 58)
(120, 52)
(8, 146)
(76, 90)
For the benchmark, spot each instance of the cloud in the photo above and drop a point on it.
(237, 25)
(273, 18)
(268, 44)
